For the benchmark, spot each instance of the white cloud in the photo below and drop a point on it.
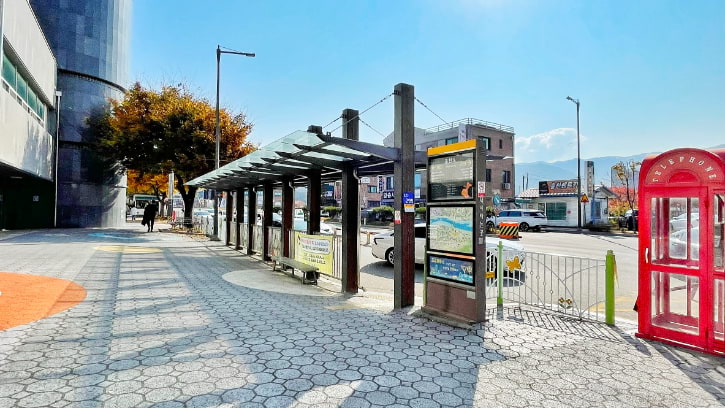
(552, 145)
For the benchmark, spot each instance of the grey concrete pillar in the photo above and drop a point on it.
(288, 202)
(350, 210)
(404, 174)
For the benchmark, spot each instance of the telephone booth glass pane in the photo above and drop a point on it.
(719, 306)
(718, 242)
(675, 302)
(684, 225)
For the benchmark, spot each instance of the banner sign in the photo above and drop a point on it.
(558, 187)
(451, 177)
(314, 250)
(457, 270)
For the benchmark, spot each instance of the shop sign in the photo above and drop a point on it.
(388, 195)
(558, 187)
(314, 250)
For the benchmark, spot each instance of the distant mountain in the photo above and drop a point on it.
(566, 169)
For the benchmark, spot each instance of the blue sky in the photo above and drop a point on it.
(650, 74)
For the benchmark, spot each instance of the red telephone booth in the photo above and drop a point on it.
(681, 255)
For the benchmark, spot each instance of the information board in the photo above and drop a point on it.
(451, 177)
(451, 229)
(314, 250)
(452, 269)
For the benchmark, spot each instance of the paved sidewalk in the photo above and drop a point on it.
(173, 321)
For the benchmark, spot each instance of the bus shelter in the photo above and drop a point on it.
(681, 249)
(310, 158)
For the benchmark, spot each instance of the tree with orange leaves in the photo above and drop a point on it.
(156, 132)
(148, 183)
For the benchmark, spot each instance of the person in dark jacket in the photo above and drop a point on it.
(149, 215)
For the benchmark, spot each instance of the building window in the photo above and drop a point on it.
(500, 144)
(372, 189)
(24, 90)
(487, 142)
(488, 175)
(506, 176)
(389, 183)
(556, 211)
(373, 204)
(451, 140)
(9, 72)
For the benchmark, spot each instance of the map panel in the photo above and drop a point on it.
(451, 229)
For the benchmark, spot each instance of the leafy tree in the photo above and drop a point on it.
(156, 132)
(626, 173)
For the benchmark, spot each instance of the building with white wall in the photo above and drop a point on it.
(27, 119)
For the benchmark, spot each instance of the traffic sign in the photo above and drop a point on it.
(585, 199)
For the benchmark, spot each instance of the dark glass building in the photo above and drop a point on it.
(90, 40)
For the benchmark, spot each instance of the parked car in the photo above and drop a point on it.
(630, 220)
(527, 219)
(680, 222)
(383, 248)
(299, 224)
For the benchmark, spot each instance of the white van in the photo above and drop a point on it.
(527, 219)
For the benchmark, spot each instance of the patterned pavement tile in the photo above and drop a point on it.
(164, 328)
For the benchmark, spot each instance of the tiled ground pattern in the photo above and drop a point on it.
(164, 329)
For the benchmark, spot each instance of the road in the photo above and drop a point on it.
(377, 276)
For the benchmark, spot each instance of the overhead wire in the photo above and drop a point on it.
(430, 110)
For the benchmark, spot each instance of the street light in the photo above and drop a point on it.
(219, 52)
(578, 166)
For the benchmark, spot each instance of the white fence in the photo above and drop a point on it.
(564, 284)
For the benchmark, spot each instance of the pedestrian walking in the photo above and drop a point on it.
(149, 215)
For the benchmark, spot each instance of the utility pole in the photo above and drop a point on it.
(578, 167)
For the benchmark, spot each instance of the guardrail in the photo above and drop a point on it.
(471, 121)
(579, 287)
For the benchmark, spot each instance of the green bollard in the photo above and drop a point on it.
(611, 275)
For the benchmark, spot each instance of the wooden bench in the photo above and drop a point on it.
(309, 273)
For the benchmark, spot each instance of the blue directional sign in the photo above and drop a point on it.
(409, 202)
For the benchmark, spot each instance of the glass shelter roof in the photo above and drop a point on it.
(298, 153)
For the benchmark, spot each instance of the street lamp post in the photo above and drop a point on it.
(219, 52)
(578, 167)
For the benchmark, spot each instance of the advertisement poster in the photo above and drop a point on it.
(457, 270)
(314, 250)
(451, 177)
(451, 229)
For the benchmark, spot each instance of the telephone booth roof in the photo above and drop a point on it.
(684, 166)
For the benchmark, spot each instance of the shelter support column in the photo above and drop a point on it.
(228, 218)
(251, 220)
(266, 219)
(314, 191)
(239, 203)
(350, 210)
(287, 211)
(404, 173)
